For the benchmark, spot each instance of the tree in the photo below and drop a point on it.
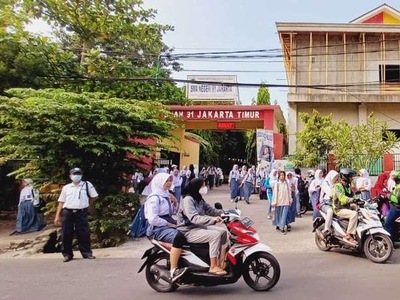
(361, 146)
(357, 146)
(313, 141)
(114, 43)
(56, 130)
(263, 96)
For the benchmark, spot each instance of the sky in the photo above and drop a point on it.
(230, 25)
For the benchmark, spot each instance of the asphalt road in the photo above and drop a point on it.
(304, 276)
(306, 272)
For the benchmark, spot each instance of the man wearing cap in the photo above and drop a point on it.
(72, 209)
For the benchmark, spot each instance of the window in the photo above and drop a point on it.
(389, 73)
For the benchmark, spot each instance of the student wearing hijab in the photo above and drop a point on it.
(326, 197)
(282, 200)
(391, 184)
(292, 182)
(269, 183)
(383, 193)
(314, 191)
(363, 184)
(159, 207)
(27, 218)
(199, 224)
(233, 182)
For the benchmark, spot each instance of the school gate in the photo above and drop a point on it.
(221, 117)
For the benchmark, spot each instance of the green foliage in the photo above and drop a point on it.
(263, 96)
(251, 146)
(110, 41)
(357, 146)
(57, 130)
(313, 141)
(109, 225)
(101, 46)
(363, 145)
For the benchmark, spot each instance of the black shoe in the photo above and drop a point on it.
(177, 273)
(289, 227)
(277, 228)
(248, 202)
(89, 257)
(67, 258)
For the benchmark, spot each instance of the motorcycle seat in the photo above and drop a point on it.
(339, 218)
(196, 245)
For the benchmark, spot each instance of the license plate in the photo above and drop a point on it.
(246, 222)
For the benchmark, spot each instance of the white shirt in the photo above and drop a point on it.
(156, 206)
(75, 196)
(26, 194)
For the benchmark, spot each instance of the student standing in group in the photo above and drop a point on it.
(292, 182)
(314, 191)
(282, 200)
(72, 210)
(177, 184)
(248, 184)
(269, 183)
(233, 182)
(363, 184)
(242, 174)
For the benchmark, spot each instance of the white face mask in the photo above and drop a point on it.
(203, 190)
(76, 178)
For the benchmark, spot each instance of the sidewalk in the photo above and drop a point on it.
(299, 240)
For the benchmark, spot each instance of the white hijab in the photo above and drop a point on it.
(329, 178)
(157, 184)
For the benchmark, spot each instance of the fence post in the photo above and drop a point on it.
(388, 162)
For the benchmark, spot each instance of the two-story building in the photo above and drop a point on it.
(350, 70)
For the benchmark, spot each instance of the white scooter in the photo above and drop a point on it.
(372, 238)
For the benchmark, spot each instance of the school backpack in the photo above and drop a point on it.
(301, 185)
(139, 224)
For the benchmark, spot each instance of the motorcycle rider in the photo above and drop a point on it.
(325, 199)
(394, 211)
(342, 199)
(198, 222)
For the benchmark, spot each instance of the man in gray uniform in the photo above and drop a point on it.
(73, 206)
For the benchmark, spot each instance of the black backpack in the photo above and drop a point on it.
(301, 185)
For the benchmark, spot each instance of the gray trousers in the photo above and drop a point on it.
(215, 235)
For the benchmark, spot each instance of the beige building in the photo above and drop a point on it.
(350, 70)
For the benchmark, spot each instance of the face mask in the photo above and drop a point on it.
(203, 190)
(76, 178)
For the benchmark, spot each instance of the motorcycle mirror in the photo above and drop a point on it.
(218, 205)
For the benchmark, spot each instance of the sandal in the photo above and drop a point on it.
(219, 272)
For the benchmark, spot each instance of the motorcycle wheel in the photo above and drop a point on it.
(261, 271)
(378, 248)
(319, 241)
(157, 283)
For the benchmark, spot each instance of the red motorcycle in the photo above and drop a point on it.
(246, 257)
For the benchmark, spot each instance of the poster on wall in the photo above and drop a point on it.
(265, 149)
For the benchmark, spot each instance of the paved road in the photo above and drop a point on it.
(304, 276)
(307, 273)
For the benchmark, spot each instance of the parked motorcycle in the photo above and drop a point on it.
(246, 257)
(380, 199)
(372, 238)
